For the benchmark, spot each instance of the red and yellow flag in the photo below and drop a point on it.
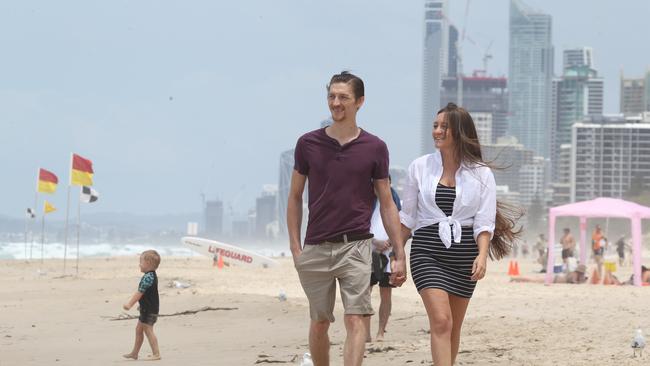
(47, 181)
(82, 171)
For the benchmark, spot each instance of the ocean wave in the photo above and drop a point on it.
(57, 250)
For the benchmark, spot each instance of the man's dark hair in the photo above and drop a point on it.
(348, 78)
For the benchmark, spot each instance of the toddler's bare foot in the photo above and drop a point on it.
(153, 358)
(131, 356)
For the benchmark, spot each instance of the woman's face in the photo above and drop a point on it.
(442, 136)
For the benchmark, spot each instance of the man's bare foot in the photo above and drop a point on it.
(131, 356)
(153, 358)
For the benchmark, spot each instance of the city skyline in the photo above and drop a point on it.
(169, 106)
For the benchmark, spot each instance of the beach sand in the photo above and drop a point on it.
(50, 319)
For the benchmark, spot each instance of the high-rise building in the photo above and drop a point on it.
(284, 184)
(436, 38)
(452, 59)
(635, 95)
(530, 77)
(265, 212)
(524, 175)
(561, 185)
(213, 216)
(511, 156)
(483, 124)
(481, 94)
(608, 154)
(582, 56)
(578, 93)
(532, 181)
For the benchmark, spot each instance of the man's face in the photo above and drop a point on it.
(342, 103)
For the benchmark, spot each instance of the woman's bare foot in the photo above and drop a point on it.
(379, 337)
(152, 358)
(131, 356)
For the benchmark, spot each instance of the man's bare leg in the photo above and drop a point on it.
(385, 306)
(355, 344)
(366, 320)
(319, 342)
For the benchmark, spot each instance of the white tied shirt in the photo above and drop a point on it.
(475, 203)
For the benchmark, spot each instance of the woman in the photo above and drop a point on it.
(449, 203)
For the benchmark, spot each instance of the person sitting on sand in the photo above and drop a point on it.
(611, 279)
(574, 277)
(147, 296)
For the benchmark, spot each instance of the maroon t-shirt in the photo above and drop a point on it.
(339, 179)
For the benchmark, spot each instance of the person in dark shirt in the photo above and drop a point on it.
(147, 297)
(347, 170)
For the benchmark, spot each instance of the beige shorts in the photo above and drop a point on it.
(319, 266)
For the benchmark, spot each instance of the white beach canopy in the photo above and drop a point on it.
(599, 207)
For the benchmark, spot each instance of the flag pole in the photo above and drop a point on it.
(42, 235)
(78, 227)
(26, 222)
(35, 211)
(67, 216)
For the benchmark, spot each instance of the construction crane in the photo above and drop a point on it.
(459, 50)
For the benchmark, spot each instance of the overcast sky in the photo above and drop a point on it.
(173, 98)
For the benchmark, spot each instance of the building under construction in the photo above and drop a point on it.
(480, 94)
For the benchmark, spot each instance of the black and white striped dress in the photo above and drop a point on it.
(435, 266)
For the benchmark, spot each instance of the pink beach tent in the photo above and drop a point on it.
(599, 207)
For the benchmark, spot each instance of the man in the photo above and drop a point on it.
(621, 248)
(568, 245)
(347, 169)
(540, 246)
(598, 243)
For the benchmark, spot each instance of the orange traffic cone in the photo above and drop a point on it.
(595, 278)
(513, 268)
(220, 262)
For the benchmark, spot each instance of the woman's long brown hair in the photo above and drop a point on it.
(468, 151)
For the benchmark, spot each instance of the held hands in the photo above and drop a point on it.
(398, 272)
(479, 267)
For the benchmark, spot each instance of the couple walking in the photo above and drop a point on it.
(449, 208)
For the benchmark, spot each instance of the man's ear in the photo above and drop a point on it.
(360, 102)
